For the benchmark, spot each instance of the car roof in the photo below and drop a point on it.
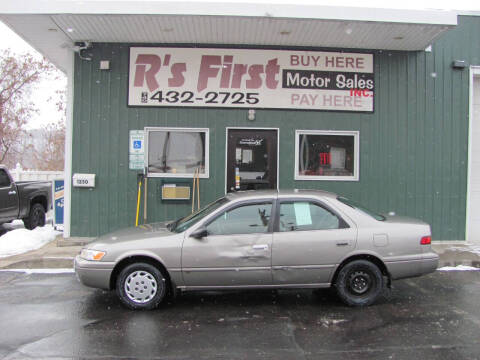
(307, 192)
(260, 194)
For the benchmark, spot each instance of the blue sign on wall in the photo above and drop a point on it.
(58, 196)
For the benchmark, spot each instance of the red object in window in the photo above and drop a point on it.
(324, 158)
(426, 240)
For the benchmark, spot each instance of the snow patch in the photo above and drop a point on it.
(327, 322)
(19, 241)
(458, 268)
(41, 271)
(15, 224)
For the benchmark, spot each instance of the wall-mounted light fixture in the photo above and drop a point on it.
(104, 64)
(251, 114)
(459, 64)
(78, 48)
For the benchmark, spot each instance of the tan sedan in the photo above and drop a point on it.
(261, 239)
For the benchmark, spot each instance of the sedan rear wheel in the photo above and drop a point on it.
(141, 286)
(359, 283)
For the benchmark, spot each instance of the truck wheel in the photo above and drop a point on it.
(359, 283)
(35, 218)
(141, 286)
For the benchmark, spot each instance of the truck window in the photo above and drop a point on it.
(4, 179)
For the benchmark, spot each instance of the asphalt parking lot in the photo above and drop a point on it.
(52, 316)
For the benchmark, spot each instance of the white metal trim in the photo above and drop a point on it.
(67, 209)
(356, 140)
(206, 175)
(252, 128)
(474, 72)
(468, 12)
(449, 242)
(300, 11)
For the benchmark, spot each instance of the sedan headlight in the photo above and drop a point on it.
(92, 255)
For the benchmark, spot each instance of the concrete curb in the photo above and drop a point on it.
(62, 242)
(48, 256)
(461, 254)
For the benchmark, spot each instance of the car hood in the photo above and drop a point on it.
(135, 233)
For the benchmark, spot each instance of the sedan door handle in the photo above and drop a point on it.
(343, 243)
(260, 247)
(13, 192)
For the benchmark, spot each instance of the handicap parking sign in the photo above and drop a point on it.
(136, 141)
(136, 150)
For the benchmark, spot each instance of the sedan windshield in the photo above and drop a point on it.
(184, 223)
(361, 208)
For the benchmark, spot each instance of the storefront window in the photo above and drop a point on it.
(326, 155)
(175, 152)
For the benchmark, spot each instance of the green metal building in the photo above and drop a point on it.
(377, 106)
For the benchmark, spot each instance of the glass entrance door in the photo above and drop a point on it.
(251, 159)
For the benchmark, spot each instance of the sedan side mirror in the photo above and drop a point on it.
(199, 233)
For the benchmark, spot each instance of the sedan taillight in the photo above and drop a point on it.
(426, 240)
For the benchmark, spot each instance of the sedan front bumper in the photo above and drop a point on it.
(93, 273)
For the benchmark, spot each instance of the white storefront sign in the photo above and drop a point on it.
(251, 78)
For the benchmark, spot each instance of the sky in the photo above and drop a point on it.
(48, 112)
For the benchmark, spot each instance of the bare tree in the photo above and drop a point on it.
(50, 155)
(18, 74)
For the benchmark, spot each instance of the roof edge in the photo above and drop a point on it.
(468, 13)
(92, 7)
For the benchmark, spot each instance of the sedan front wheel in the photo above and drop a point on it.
(141, 286)
(359, 283)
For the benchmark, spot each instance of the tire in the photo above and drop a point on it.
(141, 286)
(35, 218)
(359, 283)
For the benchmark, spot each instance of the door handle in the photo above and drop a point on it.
(13, 192)
(260, 247)
(344, 243)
